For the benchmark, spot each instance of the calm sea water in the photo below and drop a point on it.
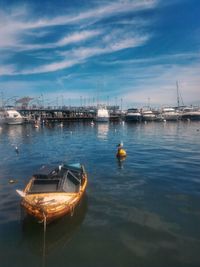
(144, 211)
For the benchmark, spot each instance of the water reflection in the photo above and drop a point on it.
(58, 234)
(120, 162)
(14, 130)
(102, 129)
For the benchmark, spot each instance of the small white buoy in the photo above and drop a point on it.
(92, 123)
(16, 150)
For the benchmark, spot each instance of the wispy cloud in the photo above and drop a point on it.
(96, 13)
(75, 37)
(18, 22)
(7, 70)
(80, 55)
(23, 33)
(164, 58)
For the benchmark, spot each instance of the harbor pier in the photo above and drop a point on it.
(62, 114)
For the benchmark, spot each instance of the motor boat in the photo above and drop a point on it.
(191, 113)
(133, 115)
(170, 114)
(12, 116)
(148, 115)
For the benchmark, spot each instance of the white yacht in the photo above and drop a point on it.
(148, 115)
(170, 114)
(102, 115)
(190, 113)
(133, 115)
(12, 116)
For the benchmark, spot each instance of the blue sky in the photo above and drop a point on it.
(133, 50)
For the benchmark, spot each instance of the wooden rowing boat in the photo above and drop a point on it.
(49, 197)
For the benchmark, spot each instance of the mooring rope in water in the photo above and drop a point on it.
(45, 222)
(44, 238)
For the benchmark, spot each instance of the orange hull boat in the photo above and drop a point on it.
(49, 197)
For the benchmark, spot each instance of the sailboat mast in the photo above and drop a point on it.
(178, 98)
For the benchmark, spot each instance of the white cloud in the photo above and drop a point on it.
(77, 37)
(128, 43)
(49, 67)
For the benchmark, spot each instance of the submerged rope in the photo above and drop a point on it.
(44, 238)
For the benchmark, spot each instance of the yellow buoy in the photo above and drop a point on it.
(121, 153)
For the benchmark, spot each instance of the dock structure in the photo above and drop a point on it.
(62, 114)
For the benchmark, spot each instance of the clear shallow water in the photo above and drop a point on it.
(144, 211)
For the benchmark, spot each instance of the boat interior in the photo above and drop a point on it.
(62, 179)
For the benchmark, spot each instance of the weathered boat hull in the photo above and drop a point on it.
(50, 206)
(42, 214)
